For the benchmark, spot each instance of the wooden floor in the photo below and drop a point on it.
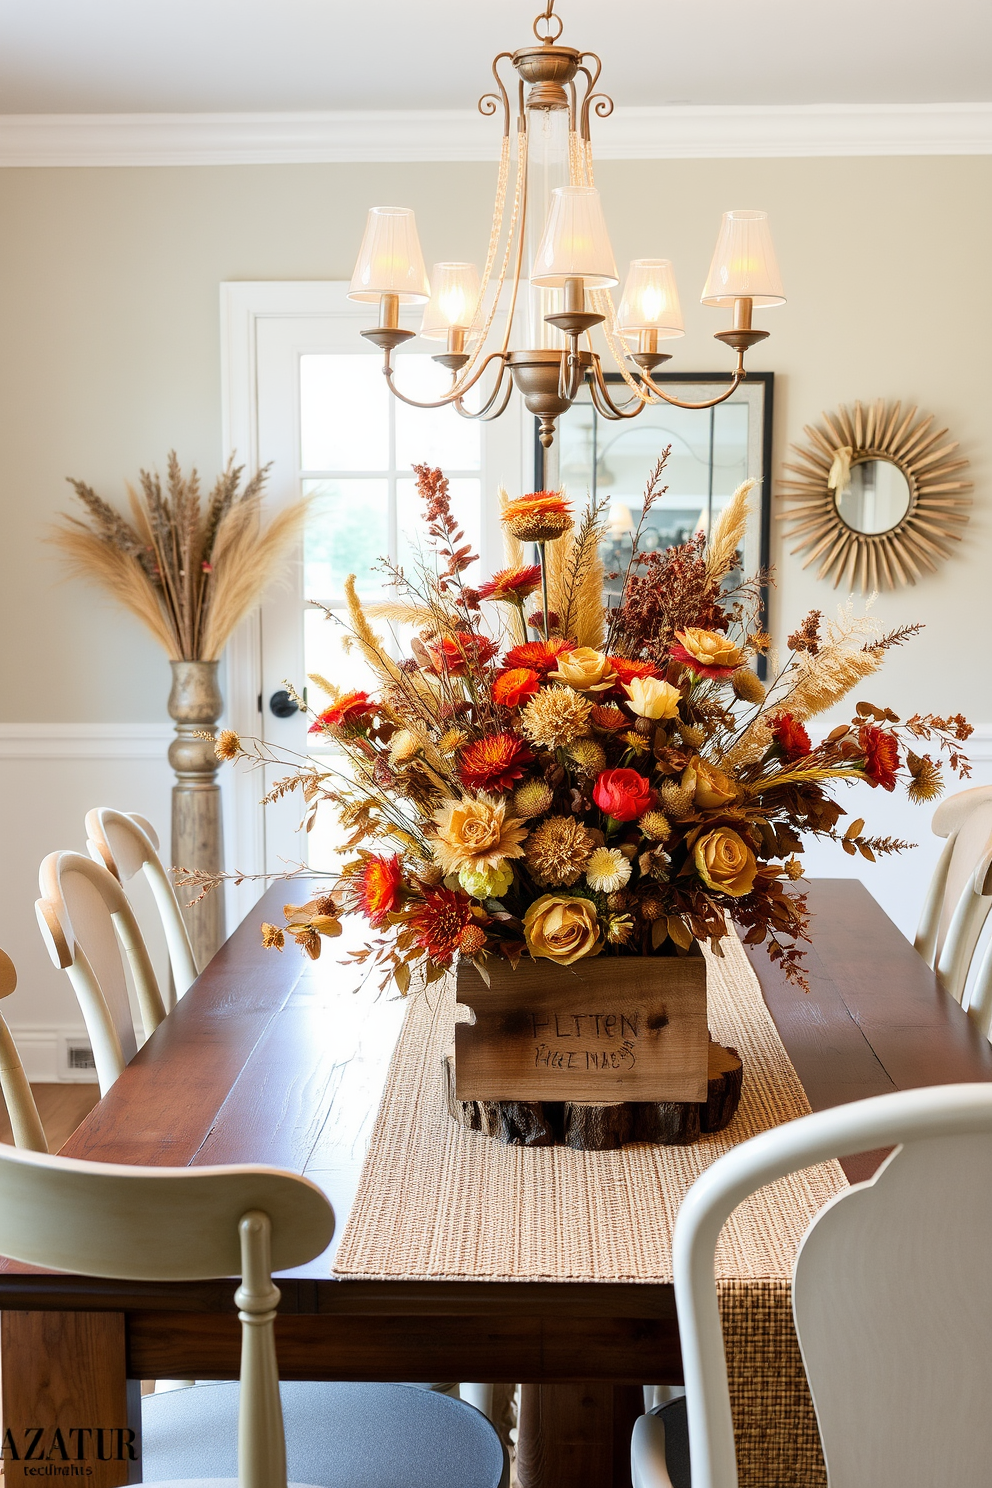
(61, 1108)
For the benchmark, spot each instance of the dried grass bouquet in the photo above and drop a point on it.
(189, 572)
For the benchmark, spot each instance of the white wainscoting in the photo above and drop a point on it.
(51, 774)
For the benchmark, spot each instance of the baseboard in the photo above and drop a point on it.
(43, 1054)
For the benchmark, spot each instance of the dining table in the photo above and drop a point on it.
(273, 1058)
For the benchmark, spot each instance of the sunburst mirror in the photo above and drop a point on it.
(879, 498)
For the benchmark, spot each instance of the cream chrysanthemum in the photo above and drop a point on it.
(556, 717)
(476, 832)
(558, 850)
(607, 870)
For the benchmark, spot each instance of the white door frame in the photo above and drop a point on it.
(508, 456)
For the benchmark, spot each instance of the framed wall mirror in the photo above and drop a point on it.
(713, 450)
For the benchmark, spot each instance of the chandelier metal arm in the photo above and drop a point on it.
(605, 405)
(389, 372)
(735, 382)
(483, 414)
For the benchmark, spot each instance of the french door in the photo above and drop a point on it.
(306, 393)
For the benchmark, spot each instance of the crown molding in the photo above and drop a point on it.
(678, 132)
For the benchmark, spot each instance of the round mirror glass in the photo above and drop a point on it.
(877, 497)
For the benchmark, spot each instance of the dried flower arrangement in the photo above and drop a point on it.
(189, 573)
(615, 782)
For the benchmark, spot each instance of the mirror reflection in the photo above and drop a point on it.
(876, 498)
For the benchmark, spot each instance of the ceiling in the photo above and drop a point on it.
(192, 56)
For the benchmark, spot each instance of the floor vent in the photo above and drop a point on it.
(77, 1062)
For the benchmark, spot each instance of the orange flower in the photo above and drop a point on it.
(540, 517)
(608, 718)
(513, 687)
(439, 924)
(512, 584)
(493, 764)
(881, 752)
(541, 656)
(352, 710)
(379, 888)
(627, 670)
(461, 653)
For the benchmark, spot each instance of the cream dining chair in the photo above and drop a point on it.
(127, 844)
(896, 1338)
(89, 927)
(25, 1123)
(960, 894)
(186, 1224)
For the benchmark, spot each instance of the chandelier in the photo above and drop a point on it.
(550, 262)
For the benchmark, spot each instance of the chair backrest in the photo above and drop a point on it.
(895, 1332)
(177, 1224)
(85, 920)
(960, 894)
(126, 844)
(25, 1122)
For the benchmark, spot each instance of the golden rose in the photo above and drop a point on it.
(585, 669)
(724, 862)
(476, 831)
(652, 698)
(710, 787)
(708, 647)
(562, 929)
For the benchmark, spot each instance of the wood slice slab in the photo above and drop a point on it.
(599, 1128)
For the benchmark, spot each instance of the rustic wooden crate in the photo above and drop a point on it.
(611, 1029)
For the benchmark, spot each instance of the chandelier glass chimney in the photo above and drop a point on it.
(550, 266)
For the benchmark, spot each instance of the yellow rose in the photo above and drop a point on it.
(585, 669)
(708, 648)
(562, 929)
(652, 698)
(476, 832)
(710, 787)
(724, 862)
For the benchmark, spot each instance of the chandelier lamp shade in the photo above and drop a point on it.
(527, 320)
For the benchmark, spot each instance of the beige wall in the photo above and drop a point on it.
(109, 353)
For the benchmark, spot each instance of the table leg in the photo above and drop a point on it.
(576, 1436)
(67, 1407)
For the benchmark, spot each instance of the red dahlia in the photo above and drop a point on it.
(881, 752)
(514, 584)
(461, 653)
(439, 922)
(790, 736)
(493, 764)
(513, 687)
(353, 710)
(540, 656)
(379, 888)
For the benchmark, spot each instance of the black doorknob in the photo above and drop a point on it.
(282, 705)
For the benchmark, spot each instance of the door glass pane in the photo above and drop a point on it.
(347, 531)
(436, 436)
(344, 412)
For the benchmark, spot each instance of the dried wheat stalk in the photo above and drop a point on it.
(189, 572)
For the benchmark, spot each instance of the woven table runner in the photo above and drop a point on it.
(437, 1201)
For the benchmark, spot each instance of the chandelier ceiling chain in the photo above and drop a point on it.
(550, 257)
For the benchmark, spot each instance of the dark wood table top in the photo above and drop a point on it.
(273, 1058)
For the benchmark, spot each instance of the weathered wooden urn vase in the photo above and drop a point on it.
(593, 1055)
